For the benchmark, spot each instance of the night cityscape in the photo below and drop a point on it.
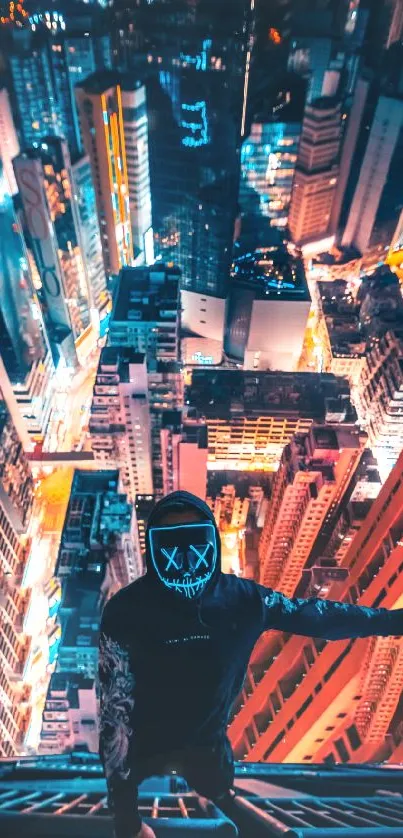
(201, 290)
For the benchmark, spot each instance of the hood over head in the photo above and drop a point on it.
(183, 559)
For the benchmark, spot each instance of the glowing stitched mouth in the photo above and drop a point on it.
(188, 587)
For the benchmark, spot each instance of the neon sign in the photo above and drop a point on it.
(199, 358)
(199, 130)
(199, 60)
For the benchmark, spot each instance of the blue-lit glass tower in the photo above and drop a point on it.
(268, 160)
(34, 90)
(194, 57)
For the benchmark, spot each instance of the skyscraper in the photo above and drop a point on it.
(34, 91)
(316, 173)
(268, 160)
(383, 149)
(99, 100)
(78, 56)
(9, 145)
(16, 496)
(26, 361)
(135, 129)
(310, 57)
(45, 180)
(90, 235)
(350, 137)
(195, 58)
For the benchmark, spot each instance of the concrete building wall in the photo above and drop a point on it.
(276, 335)
(203, 315)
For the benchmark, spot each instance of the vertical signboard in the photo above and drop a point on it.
(30, 184)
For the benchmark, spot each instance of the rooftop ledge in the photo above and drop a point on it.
(65, 795)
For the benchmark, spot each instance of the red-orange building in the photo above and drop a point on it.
(310, 700)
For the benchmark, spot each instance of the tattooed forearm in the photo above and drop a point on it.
(116, 706)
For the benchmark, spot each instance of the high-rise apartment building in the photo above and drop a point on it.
(9, 145)
(165, 391)
(316, 172)
(16, 498)
(231, 513)
(268, 310)
(120, 423)
(26, 365)
(251, 416)
(45, 182)
(341, 337)
(99, 100)
(146, 312)
(379, 166)
(314, 473)
(15, 473)
(84, 193)
(309, 700)
(144, 505)
(378, 399)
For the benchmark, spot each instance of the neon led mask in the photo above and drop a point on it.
(184, 556)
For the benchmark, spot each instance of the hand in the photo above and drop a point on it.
(145, 832)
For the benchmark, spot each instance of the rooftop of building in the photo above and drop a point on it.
(100, 81)
(338, 256)
(352, 321)
(281, 100)
(232, 394)
(272, 273)
(104, 79)
(97, 513)
(64, 795)
(119, 358)
(146, 294)
(94, 481)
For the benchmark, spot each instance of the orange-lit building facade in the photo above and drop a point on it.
(99, 101)
(310, 700)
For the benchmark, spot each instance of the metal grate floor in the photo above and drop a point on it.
(45, 802)
(380, 815)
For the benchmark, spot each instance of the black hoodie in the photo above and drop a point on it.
(170, 668)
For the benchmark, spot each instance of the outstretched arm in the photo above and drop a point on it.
(326, 618)
(117, 685)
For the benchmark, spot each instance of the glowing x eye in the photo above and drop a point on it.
(170, 554)
(201, 555)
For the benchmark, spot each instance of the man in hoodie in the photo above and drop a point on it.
(173, 653)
